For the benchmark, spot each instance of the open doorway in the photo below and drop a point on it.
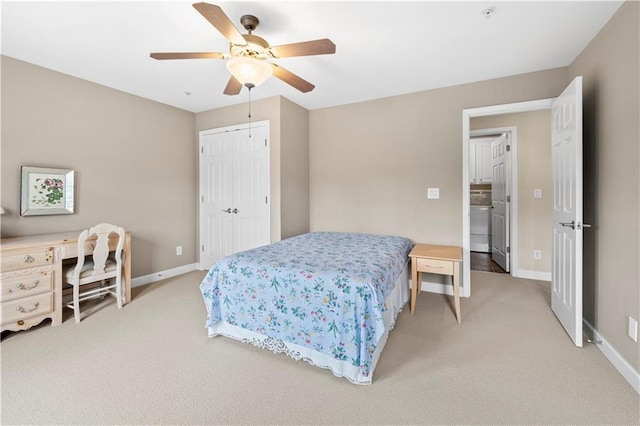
(490, 165)
(523, 237)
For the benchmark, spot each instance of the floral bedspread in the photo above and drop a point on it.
(322, 290)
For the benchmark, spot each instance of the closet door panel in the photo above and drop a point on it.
(250, 190)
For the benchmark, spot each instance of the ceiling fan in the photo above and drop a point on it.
(248, 53)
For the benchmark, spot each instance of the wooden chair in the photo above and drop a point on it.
(96, 264)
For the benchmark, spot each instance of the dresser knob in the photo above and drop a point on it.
(29, 259)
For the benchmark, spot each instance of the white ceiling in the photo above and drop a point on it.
(384, 48)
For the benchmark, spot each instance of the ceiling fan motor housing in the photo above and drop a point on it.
(256, 47)
(249, 22)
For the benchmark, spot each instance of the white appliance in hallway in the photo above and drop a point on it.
(480, 220)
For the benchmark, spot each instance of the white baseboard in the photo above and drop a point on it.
(532, 275)
(158, 276)
(201, 267)
(620, 364)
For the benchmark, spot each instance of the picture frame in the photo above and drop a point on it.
(46, 191)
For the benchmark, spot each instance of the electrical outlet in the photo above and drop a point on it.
(433, 193)
(178, 250)
(633, 329)
(537, 254)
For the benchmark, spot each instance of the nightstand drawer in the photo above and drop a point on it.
(26, 285)
(26, 307)
(435, 266)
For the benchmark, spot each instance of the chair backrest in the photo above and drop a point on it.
(100, 248)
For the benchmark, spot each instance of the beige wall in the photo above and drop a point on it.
(372, 162)
(610, 70)
(534, 171)
(295, 169)
(134, 161)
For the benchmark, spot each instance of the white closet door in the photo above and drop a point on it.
(234, 191)
(216, 165)
(250, 188)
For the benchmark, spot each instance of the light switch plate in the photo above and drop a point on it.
(433, 193)
(537, 193)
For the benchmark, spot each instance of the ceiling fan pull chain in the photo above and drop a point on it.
(249, 86)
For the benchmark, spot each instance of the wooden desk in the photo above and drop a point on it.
(31, 276)
(443, 260)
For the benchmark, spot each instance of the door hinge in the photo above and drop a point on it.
(265, 141)
(508, 249)
(508, 198)
(508, 148)
(266, 200)
(202, 150)
(202, 198)
(203, 247)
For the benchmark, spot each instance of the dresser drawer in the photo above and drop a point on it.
(26, 259)
(26, 307)
(435, 266)
(26, 285)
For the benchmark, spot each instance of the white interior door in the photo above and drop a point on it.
(234, 191)
(566, 160)
(500, 203)
(216, 197)
(250, 188)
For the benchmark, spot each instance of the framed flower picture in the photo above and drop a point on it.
(46, 191)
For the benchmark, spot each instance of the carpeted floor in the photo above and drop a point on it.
(509, 362)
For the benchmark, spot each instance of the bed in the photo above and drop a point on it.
(328, 298)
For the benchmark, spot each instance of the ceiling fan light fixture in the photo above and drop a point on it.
(249, 71)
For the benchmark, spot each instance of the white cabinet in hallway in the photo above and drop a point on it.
(234, 191)
(480, 170)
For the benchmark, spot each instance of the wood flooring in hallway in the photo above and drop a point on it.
(484, 262)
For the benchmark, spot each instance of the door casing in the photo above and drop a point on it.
(467, 115)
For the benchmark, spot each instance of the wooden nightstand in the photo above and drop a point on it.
(443, 260)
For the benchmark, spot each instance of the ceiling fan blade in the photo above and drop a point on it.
(305, 48)
(220, 21)
(188, 55)
(292, 79)
(233, 87)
